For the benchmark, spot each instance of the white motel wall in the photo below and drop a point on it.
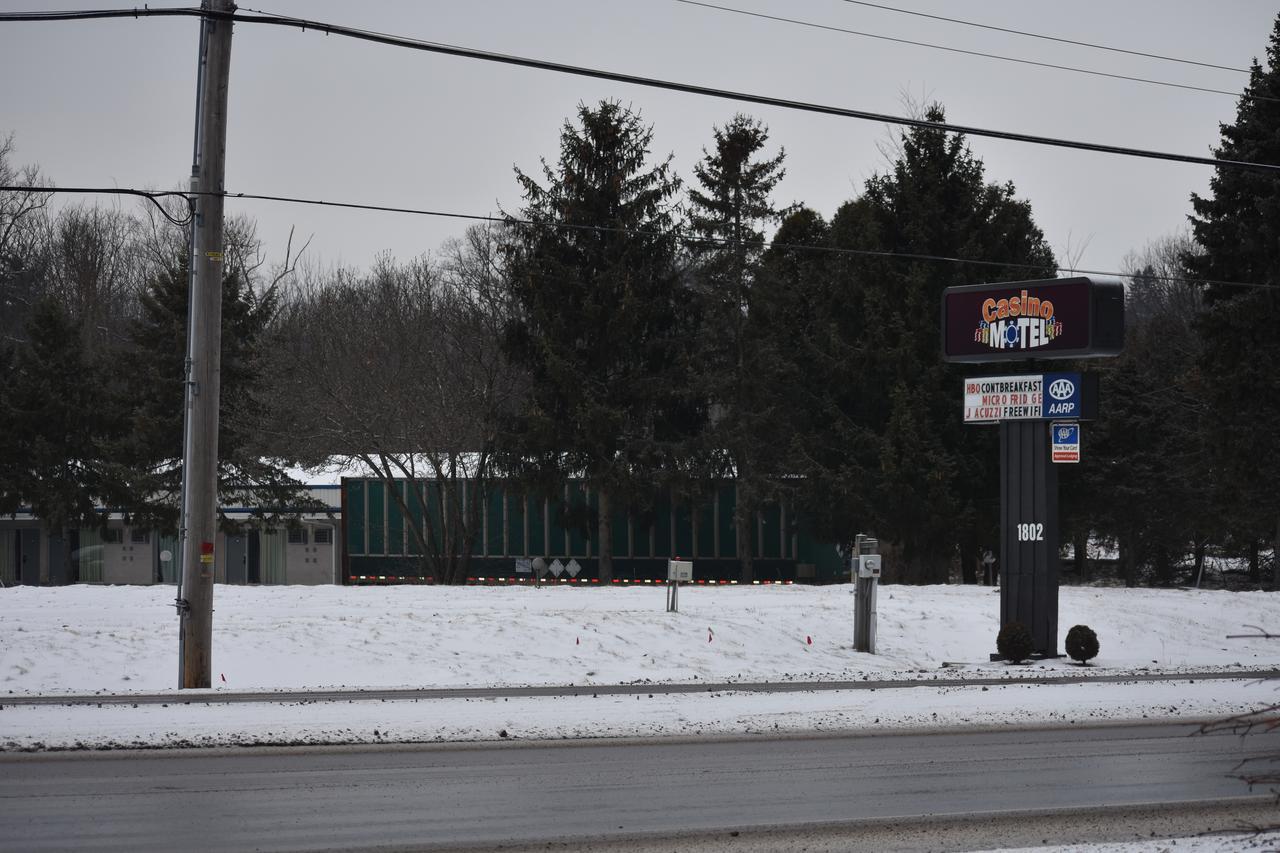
(306, 551)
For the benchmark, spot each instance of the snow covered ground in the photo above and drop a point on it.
(87, 639)
(93, 638)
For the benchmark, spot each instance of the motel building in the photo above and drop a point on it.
(305, 551)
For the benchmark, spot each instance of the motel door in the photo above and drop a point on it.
(237, 558)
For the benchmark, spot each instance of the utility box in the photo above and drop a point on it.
(869, 566)
(677, 570)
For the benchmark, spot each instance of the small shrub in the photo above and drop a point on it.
(1082, 643)
(1014, 642)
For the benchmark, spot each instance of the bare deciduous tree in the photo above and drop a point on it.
(20, 213)
(401, 371)
(90, 267)
(1158, 280)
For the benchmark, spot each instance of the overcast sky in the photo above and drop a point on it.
(111, 103)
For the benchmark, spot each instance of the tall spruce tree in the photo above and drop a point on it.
(1143, 481)
(59, 425)
(153, 388)
(801, 320)
(599, 317)
(930, 478)
(10, 449)
(1237, 227)
(729, 209)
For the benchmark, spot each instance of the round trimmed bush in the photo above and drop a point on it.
(1014, 642)
(1082, 644)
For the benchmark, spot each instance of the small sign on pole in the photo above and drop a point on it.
(1065, 442)
(677, 571)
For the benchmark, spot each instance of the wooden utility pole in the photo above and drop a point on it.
(204, 350)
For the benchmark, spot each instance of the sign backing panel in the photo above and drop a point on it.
(1030, 397)
(1077, 317)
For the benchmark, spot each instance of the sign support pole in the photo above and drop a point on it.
(1029, 533)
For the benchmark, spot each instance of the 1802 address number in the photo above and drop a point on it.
(1031, 532)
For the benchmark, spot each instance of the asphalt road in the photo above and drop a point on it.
(529, 793)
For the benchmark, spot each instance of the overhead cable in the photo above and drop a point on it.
(650, 82)
(640, 232)
(1058, 39)
(149, 195)
(977, 53)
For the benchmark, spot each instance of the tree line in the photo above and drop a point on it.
(654, 337)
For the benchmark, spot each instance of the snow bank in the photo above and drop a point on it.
(93, 638)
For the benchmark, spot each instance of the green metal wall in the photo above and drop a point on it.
(518, 525)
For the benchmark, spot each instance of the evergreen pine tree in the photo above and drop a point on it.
(802, 323)
(1142, 482)
(154, 397)
(10, 448)
(599, 317)
(59, 423)
(931, 475)
(1237, 227)
(729, 212)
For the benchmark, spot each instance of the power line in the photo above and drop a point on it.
(153, 197)
(720, 241)
(1048, 37)
(650, 82)
(640, 232)
(977, 53)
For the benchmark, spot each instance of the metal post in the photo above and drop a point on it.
(204, 344)
(865, 569)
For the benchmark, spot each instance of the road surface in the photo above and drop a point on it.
(534, 793)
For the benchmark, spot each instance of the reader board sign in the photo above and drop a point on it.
(1065, 442)
(1031, 397)
(1050, 318)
